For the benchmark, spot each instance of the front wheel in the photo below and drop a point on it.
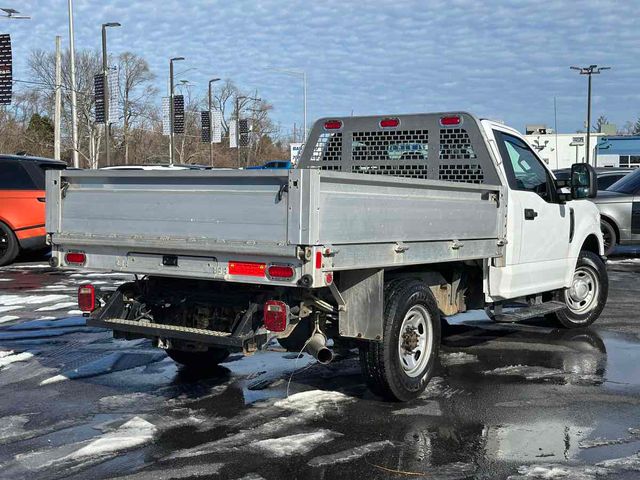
(400, 366)
(587, 295)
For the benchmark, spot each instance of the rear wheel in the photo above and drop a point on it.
(199, 361)
(9, 247)
(401, 365)
(609, 237)
(587, 295)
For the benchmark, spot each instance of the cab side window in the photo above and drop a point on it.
(13, 176)
(524, 170)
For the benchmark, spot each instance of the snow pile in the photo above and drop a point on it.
(299, 444)
(7, 358)
(350, 455)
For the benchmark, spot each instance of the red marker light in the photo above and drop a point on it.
(333, 125)
(389, 122)
(75, 258)
(247, 269)
(318, 260)
(280, 272)
(276, 316)
(87, 298)
(450, 120)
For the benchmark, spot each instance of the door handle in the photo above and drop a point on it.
(530, 214)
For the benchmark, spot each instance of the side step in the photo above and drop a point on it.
(525, 313)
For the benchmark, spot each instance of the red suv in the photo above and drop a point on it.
(22, 204)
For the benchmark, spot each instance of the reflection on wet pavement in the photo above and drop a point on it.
(509, 401)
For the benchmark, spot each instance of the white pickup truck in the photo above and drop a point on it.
(387, 225)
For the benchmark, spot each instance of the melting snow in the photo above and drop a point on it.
(298, 444)
(351, 454)
(132, 434)
(57, 306)
(8, 318)
(7, 358)
(313, 401)
(625, 463)
(526, 371)
(10, 308)
(552, 471)
(30, 299)
(457, 358)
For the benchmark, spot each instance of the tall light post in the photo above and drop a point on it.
(74, 108)
(171, 152)
(303, 75)
(589, 71)
(211, 82)
(105, 91)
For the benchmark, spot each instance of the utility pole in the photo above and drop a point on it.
(74, 108)
(211, 82)
(171, 146)
(58, 102)
(105, 91)
(589, 71)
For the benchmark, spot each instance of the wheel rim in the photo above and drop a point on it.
(4, 243)
(415, 342)
(582, 296)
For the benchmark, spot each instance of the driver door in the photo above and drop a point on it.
(538, 226)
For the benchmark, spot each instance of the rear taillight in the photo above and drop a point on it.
(389, 122)
(247, 269)
(332, 125)
(87, 298)
(75, 258)
(281, 272)
(450, 120)
(276, 315)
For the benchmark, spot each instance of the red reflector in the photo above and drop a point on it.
(276, 316)
(281, 271)
(78, 258)
(318, 260)
(247, 269)
(452, 120)
(87, 298)
(389, 122)
(333, 125)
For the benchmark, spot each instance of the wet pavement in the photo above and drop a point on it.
(509, 401)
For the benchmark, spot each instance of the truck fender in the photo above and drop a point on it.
(586, 235)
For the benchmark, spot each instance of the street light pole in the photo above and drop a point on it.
(171, 152)
(211, 82)
(589, 71)
(105, 91)
(74, 108)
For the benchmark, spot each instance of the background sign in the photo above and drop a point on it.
(6, 69)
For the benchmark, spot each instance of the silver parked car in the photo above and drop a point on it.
(620, 212)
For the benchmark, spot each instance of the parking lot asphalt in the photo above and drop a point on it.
(509, 401)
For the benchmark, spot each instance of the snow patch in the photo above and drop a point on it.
(346, 456)
(55, 379)
(10, 308)
(552, 471)
(30, 299)
(134, 433)
(10, 357)
(313, 401)
(8, 318)
(625, 463)
(431, 408)
(457, 358)
(299, 444)
(526, 371)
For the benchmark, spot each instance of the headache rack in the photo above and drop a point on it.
(433, 146)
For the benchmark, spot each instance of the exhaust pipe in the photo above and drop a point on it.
(317, 346)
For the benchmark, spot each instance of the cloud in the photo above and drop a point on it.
(507, 60)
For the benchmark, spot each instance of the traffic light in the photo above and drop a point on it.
(243, 129)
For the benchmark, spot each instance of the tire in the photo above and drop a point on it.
(199, 361)
(389, 370)
(609, 236)
(588, 294)
(9, 247)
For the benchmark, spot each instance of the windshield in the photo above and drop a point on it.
(628, 184)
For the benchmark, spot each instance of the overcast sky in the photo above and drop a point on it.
(503, 60)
